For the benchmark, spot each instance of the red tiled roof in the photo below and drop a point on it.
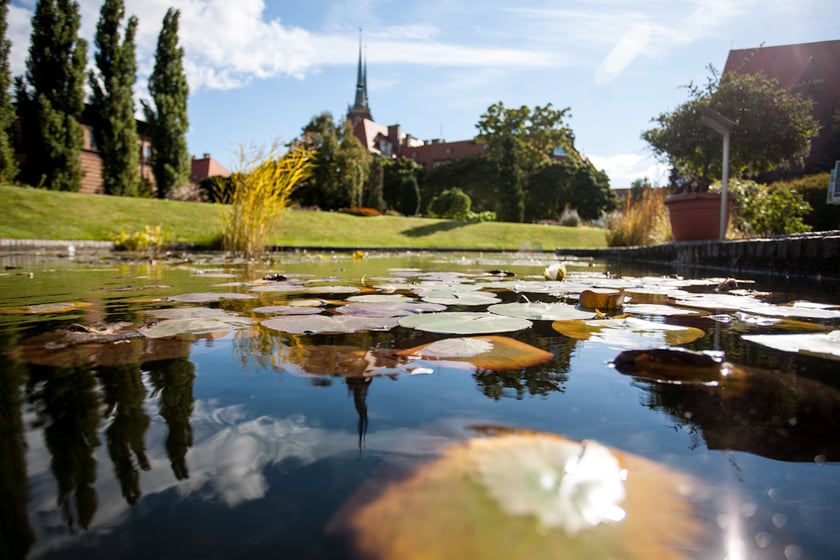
(787, 63)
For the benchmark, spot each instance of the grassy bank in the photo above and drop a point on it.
(27, 213)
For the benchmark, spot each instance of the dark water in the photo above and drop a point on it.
(217, 447)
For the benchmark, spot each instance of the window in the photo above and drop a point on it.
(92, 141)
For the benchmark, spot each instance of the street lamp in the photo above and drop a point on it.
(723, 126)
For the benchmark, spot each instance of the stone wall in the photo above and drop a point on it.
(814, 255)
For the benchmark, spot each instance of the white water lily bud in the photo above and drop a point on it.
(555, 271)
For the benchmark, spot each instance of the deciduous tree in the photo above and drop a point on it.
(772, 127)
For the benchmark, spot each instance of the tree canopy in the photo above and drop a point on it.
(537, 132)
(773, 126)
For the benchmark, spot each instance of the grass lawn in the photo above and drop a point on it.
(27, 213)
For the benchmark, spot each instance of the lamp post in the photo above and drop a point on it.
(723, 126)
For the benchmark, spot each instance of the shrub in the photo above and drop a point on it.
(476, 217)
(260, 192)
(643, 222)
(569, 217)
(452, 204)
(363, 212)
(813, 188)
(149, 239)
(763, 211)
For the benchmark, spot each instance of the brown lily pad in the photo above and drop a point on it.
(602, 299)
(628, 332)
(484, 352)
(527, 495)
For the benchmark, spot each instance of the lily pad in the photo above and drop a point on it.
(323, 324)
(656, 309)
(189, 313)
(628, 332)
(379, 298)
(454, 294)
(332, 290)
(395, 308)
(602, 299)
(824, 345)
(749, 304)
(195, 325)
(286, 310)
(207, 297)
(46, 308)
(484, 352)
(527, 495)
(671, 365)
(464, 322)
(538, 311)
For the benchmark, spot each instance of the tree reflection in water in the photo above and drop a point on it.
(173, 382)
(68, 408)
(124, 396)
(767, 413)
(15, 531)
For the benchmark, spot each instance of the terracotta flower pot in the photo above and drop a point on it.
(696, 216)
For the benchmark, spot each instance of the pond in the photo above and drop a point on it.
(413, 406)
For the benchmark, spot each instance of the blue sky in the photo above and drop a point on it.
(260, 70)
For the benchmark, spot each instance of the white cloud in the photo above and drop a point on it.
(623, 169)
(623, 53)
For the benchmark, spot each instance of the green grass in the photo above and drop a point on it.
(27, 213)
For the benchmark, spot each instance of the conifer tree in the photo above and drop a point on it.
(112, 100)
(8, 165)
(53, 102)
(167, 121)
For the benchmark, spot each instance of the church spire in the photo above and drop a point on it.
(360, 109)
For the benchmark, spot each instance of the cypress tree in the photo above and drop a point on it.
(168, 122)
(112, 100)
(55, 71)
(8, 164)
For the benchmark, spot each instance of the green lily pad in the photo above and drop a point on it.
(824, 345)
(656, 309)
(323, 324)
(454, 294)
(207, 297)
(464, 322)
(628, 332)
(195, 325)
(749, 304)
(527, 495)
(394, 308)
(189, 313)
(538, 311)
(485, 352)
(46, 308)
(286, 310)
(379, 298)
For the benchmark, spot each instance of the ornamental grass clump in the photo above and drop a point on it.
(643, 221)
(259, 192)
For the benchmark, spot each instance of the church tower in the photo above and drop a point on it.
(360, 109)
